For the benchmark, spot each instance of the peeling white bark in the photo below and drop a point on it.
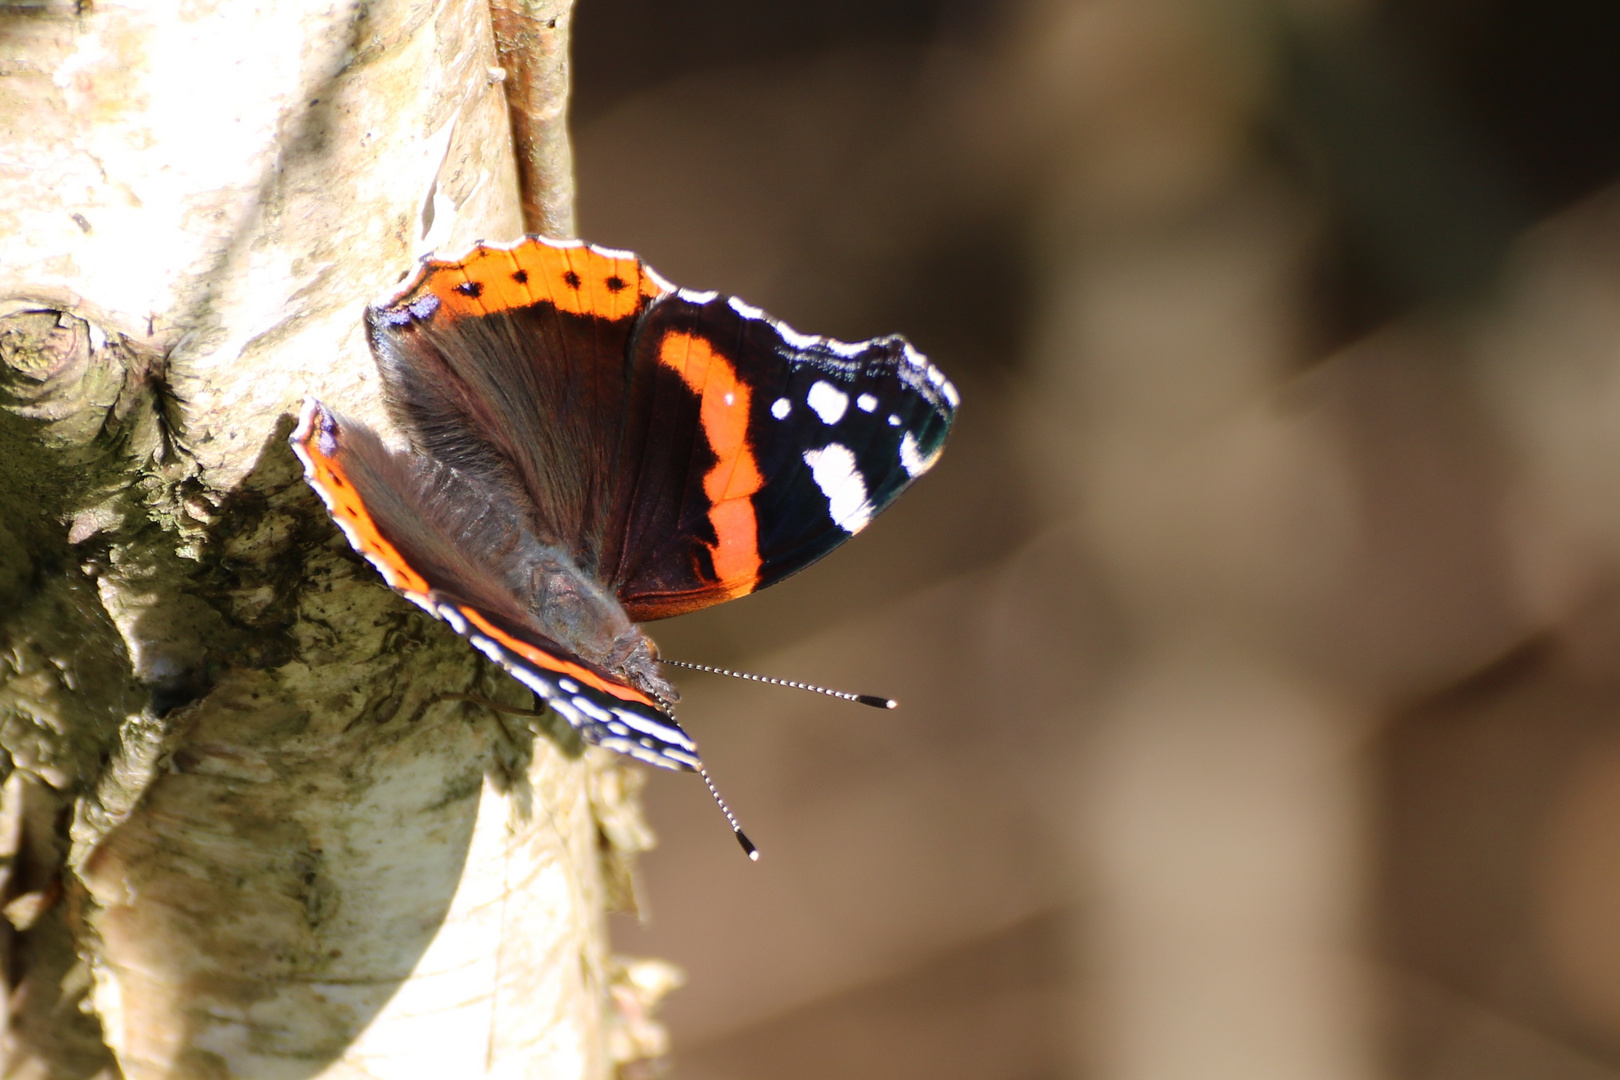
(243, 836)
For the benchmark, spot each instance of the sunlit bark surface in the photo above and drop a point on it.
(244, 836)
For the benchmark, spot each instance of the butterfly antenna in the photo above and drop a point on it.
(874, 700)
(742, 837)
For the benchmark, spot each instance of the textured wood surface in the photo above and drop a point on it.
(245, 836)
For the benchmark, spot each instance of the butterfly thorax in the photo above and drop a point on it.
(575, 611)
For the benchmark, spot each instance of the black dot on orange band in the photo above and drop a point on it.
(616, 284)
(571, 279)
(520, 276)
(470, 288)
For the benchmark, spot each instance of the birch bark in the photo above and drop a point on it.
(242, 836)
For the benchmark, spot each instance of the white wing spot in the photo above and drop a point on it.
(662, 732)
(781, 407)
(592, 709)
(894, 421)
(911, 460)
(839, 478)
(866, 402)
(568, 685)
(539, 685)
(487, 647)
(828, 401)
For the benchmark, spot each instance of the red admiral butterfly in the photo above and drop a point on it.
(592, 447)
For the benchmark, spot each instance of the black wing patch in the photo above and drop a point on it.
(752, 450)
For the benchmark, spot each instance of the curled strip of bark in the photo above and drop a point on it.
(636, 987)
(615, 787)
(531, 38)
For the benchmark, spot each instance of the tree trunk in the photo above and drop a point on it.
(245, 835)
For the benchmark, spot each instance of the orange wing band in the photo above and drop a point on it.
(542, 659)
(731, 483)
(350, 511)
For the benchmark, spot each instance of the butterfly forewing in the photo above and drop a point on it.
(776, 448)
(511, 365)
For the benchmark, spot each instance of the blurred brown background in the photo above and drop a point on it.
(1258, 637)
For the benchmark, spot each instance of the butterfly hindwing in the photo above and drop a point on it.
(601, 708)
(440, 540)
